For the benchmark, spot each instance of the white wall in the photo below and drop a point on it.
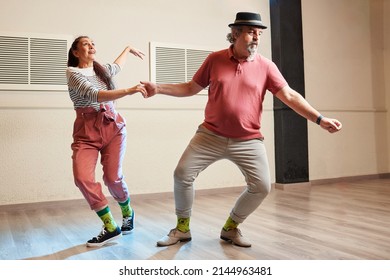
(36, 127)
(344, 76)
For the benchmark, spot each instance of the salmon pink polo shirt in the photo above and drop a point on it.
(236, 92)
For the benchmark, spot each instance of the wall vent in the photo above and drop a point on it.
(33, 62)
(175, 64)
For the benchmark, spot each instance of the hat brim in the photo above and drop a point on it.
(248, 24)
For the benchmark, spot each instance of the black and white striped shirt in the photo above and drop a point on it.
(84, 85)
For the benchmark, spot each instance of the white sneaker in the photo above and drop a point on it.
(173, 237)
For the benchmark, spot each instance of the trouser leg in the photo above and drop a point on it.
(84, 163)
(203, 150)
(111, 159)
(250, 156)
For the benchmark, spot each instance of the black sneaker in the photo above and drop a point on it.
(104, 237)
(127, 224)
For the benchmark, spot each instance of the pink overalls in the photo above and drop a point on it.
(101, 131)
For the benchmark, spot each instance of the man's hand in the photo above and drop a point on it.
(331, 125)
(151, 89)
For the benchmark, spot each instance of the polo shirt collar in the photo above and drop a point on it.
(231, 54)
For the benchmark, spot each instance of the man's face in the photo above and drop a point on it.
(249, 39)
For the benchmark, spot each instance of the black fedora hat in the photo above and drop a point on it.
(249, 19)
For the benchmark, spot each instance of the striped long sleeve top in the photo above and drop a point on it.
(84, 85)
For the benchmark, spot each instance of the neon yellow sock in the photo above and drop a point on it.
(230, 224)
(108, 220)
(183, 224)
(126, 209)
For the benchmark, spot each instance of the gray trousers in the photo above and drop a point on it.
(206, 148)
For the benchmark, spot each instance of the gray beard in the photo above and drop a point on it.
(252, 49)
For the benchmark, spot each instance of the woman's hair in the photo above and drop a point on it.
(100, 71)
(235, 30)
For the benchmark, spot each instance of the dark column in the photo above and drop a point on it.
(291, 145)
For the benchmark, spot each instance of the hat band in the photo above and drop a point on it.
(248, 21)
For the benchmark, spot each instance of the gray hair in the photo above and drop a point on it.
(235, 30)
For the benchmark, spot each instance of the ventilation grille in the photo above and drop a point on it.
(170, 65)
(175, 64)
(13, 60)
(48, 61)
(33, 63)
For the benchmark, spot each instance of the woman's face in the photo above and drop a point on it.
(85, 52)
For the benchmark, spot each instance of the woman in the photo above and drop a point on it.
(99, 128)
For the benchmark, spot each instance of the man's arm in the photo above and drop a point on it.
(300, 105)
(178, 90)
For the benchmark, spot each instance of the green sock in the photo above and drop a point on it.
(230, 224)
(107, 218)
(127, 211)
(183, 224)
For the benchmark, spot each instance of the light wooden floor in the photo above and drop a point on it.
(349, 220)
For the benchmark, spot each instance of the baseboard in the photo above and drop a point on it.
(350, 179)
(169, 195)
(318, 182)
(301, 185)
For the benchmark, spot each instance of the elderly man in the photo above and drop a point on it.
(238, 78)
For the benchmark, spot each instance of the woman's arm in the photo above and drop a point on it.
(121, 59)
(86, 90)
(110, 95)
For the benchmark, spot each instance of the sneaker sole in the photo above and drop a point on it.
(180, 240)
(104, 242)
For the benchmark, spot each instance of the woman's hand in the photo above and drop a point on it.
(136, 52)
(138, 88)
